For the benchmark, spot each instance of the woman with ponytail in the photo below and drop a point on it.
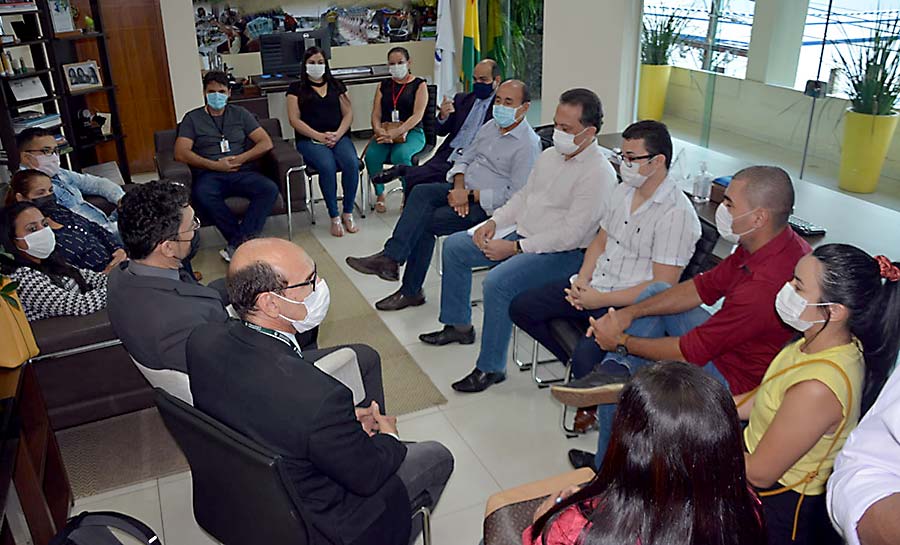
(846, 304)
(48, 286)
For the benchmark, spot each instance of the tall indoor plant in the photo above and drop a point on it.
(16, 339)
(659, 35)
(873, 75)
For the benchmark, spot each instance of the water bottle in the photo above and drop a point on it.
(702, 184)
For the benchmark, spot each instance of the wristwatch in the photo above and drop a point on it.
(518, 248)
(471, 196)
(621, 348)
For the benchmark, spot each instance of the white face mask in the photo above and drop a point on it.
(315, 71)
(631, 175)
(40, 243)
(565, 142)
(316, 304)
(399, 71)
(790, 305)
(48, 164)
(724, 223)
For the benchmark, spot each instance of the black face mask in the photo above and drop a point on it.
(195, 247)
(45, 202)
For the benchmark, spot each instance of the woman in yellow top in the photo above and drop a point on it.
(847, 305)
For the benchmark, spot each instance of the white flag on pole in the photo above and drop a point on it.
(445, 76)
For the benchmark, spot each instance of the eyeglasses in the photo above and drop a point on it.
(43, 151)
(311, 281)
(629, 161)
(195, 226)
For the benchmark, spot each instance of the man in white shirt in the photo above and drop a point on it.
(864, 490)
(647, 236)
(547, 224)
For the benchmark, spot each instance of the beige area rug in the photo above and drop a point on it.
(136, 447)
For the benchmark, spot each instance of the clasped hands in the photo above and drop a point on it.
(495, 250)
(374, 422)
(330, 138)
(608, 330)
(231, 163)
(385, 136)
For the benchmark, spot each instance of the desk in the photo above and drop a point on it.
(376, 74)
(849, 220)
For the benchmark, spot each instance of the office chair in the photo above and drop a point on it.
(241, 489)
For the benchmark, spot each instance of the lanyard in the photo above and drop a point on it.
(215, 124)
(396, 97)
(275, 335)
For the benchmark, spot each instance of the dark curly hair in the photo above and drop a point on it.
(150, 214)
(247, 283)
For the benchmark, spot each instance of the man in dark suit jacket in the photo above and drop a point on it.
(353, 477)
(459, 121)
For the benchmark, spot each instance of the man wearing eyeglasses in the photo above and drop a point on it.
(647, 235)
(153, 302)
(358, 482)
(38, 150)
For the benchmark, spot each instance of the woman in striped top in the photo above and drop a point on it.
(48, 285)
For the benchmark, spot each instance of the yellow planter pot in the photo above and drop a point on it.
(652, 92)
(16, 340)
(866, 141)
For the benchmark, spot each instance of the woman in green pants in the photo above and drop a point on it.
(398, 111)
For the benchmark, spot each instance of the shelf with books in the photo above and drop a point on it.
(27, 74)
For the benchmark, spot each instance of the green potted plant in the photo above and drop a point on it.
(16, 339)
(659, 35)
(873, 78)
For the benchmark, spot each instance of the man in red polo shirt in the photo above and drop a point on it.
(737, 343)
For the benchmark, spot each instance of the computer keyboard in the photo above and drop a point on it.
(805, 228)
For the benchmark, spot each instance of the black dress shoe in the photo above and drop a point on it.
(581, 458)
(448, 335)
(379, 265)
(390, 174)
(477, 381)
(398, 301)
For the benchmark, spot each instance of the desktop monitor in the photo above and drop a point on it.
(282, 52)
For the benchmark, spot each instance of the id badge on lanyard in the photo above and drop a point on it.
(224, 145)
(395, 116)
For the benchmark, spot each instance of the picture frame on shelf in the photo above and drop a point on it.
(81, 76)
(61, 16)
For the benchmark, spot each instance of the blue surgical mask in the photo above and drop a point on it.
(504, 116)
(217, 101)
(482, 90)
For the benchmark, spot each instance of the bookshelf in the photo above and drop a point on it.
(52, 104)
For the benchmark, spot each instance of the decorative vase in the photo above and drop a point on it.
(866, 141)
(652, 91)
(16, 339)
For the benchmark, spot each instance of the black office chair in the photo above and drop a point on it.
(429, 127)
(567, 333)
(241, 490)
(240, 487)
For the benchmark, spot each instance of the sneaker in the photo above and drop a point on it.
(596, 388)
(226, 253)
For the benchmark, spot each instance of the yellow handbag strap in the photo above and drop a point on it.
(837, 434)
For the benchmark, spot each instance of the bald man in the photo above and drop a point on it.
(358, 483)
(458, 121)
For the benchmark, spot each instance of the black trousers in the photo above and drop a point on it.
(532, 312)
(431, 171)
(369, 367)
(813, 525)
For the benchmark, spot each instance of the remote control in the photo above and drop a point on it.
(805, 228)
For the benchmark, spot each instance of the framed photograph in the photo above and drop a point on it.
(83, 75)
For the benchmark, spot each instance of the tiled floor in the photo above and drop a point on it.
(500, 438)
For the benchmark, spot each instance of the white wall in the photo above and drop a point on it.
(184, 58)
(592, 44)
(775, 115)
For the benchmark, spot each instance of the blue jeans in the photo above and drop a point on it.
(328, 161)
(210, 189)
(504, 282)
(425, 216)
(653, 327)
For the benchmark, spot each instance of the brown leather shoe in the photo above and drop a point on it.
(398, 301)
(585, 420)
(379, 265)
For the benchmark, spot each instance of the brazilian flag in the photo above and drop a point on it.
(471, 49)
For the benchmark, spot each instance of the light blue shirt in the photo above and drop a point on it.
(472, 123)
(497, 164)
(70, 188)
